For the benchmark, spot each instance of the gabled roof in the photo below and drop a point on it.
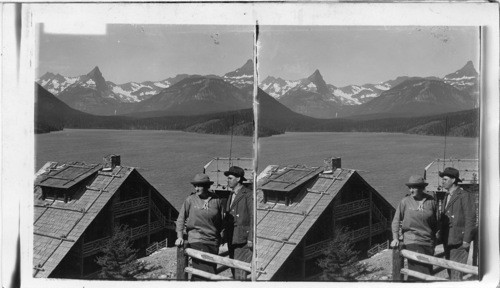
(468, 168)
(280, 228)
(217, 166)
(58, 225)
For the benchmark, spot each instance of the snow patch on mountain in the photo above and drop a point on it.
(125, 95)
(90, 84)
(162, 85)
(383, 86)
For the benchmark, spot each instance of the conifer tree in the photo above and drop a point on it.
(341, 261)
(119, 259)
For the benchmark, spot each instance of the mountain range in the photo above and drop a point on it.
(314, 97)
(51, 114)
(284, 105)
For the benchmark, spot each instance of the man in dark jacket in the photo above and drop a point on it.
(239, 219)
(458, 220)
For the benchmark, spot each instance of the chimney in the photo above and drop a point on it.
(111, 161)
(331, 164)
(336, 163)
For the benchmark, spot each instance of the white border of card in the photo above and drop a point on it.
(17, 103)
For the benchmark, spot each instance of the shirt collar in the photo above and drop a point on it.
(452, 190)
(237, 189)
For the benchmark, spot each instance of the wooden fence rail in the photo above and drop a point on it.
(183, 268)
(398, 271)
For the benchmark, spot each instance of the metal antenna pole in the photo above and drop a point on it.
(445, 132)
(256, 150)
(231, 145)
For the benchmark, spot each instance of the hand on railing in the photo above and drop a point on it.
(466, 246)
(179, 242)
(395, 244)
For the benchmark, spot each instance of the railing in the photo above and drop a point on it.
(354, 236)
(169, 224)
(351, 207)
(398, 270)
(156, 246)
(158, 213)
(316, 249)
(130, 206)
(377, 248)
(381, 216)
(241, 273)
(93, 247)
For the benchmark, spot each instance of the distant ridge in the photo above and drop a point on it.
(52, 115)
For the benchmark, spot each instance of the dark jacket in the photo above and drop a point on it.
(459, 218)
(239, 218)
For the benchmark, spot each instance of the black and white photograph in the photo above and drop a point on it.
(323, 143)
(362, 110)
(136, 129)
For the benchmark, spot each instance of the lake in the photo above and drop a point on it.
(170, 159)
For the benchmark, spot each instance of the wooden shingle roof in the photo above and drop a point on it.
(468, 169)
(58, 225)
(280, 228)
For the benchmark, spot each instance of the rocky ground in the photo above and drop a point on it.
(162, 265)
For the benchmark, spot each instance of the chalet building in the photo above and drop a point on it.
(76, 207)
(298, 210)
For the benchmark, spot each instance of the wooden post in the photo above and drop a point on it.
(182, 263)
(303, 262)
(240, 274)
(370, 219)
(81, 255)
(475, 247)
(397, 264)
(149, 216)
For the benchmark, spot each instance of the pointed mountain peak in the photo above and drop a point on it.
(469, 68)
(246, 69)
(95, 72)
(317, 79)
(94, 79)
(467, 71)
(317, 73)
(248, 64)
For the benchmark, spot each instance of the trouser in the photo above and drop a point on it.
(203, 265)
(417, 266)
(458, 254)
(240, 252)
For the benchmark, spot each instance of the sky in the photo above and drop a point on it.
(344, 55)
(359, 55)
(147, 52)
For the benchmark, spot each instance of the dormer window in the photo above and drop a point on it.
(49, 193)
(276, 197)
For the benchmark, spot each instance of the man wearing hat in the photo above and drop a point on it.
(458, 220)
(417, 216)
(239, 219)
(200, 218)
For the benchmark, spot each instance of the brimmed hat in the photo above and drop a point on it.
(202, 179)
(236, 171)
(451, 172)
(416, 181)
